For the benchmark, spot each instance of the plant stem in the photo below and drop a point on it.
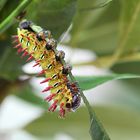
(11, 18)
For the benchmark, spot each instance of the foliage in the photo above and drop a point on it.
(108, 28)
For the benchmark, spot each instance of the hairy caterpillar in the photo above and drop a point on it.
(37, 43)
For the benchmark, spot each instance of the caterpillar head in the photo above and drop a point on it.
(26, 25)
(76, 100)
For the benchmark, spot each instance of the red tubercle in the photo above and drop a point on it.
(19, 50)
(15, 36)
(31, 57)
(62, 111)
(36, 64)
(28, 38)
(31, 53)
(37, 61)
(22, 35)
(45, 52)
(47, 89)
(46, 80)
(42, 72)
(50, 97)
(15, 41)
(36, 43)
(17, 46)
(24, 49)
(53, 106)
(61, 105)
(24, 54)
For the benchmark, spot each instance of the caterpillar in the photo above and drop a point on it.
(37, 43)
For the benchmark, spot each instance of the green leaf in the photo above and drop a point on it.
(128, 40)
(50, 125)
(96, 30)
(93, 81)
(129, 67)
(54, 15)
(112, 31)
(118, 121)
(97, 131)
(129, 27)
(76, 124)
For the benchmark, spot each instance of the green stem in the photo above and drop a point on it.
(11, 18)
(89, 108)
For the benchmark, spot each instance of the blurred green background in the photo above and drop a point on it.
(99, 37)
